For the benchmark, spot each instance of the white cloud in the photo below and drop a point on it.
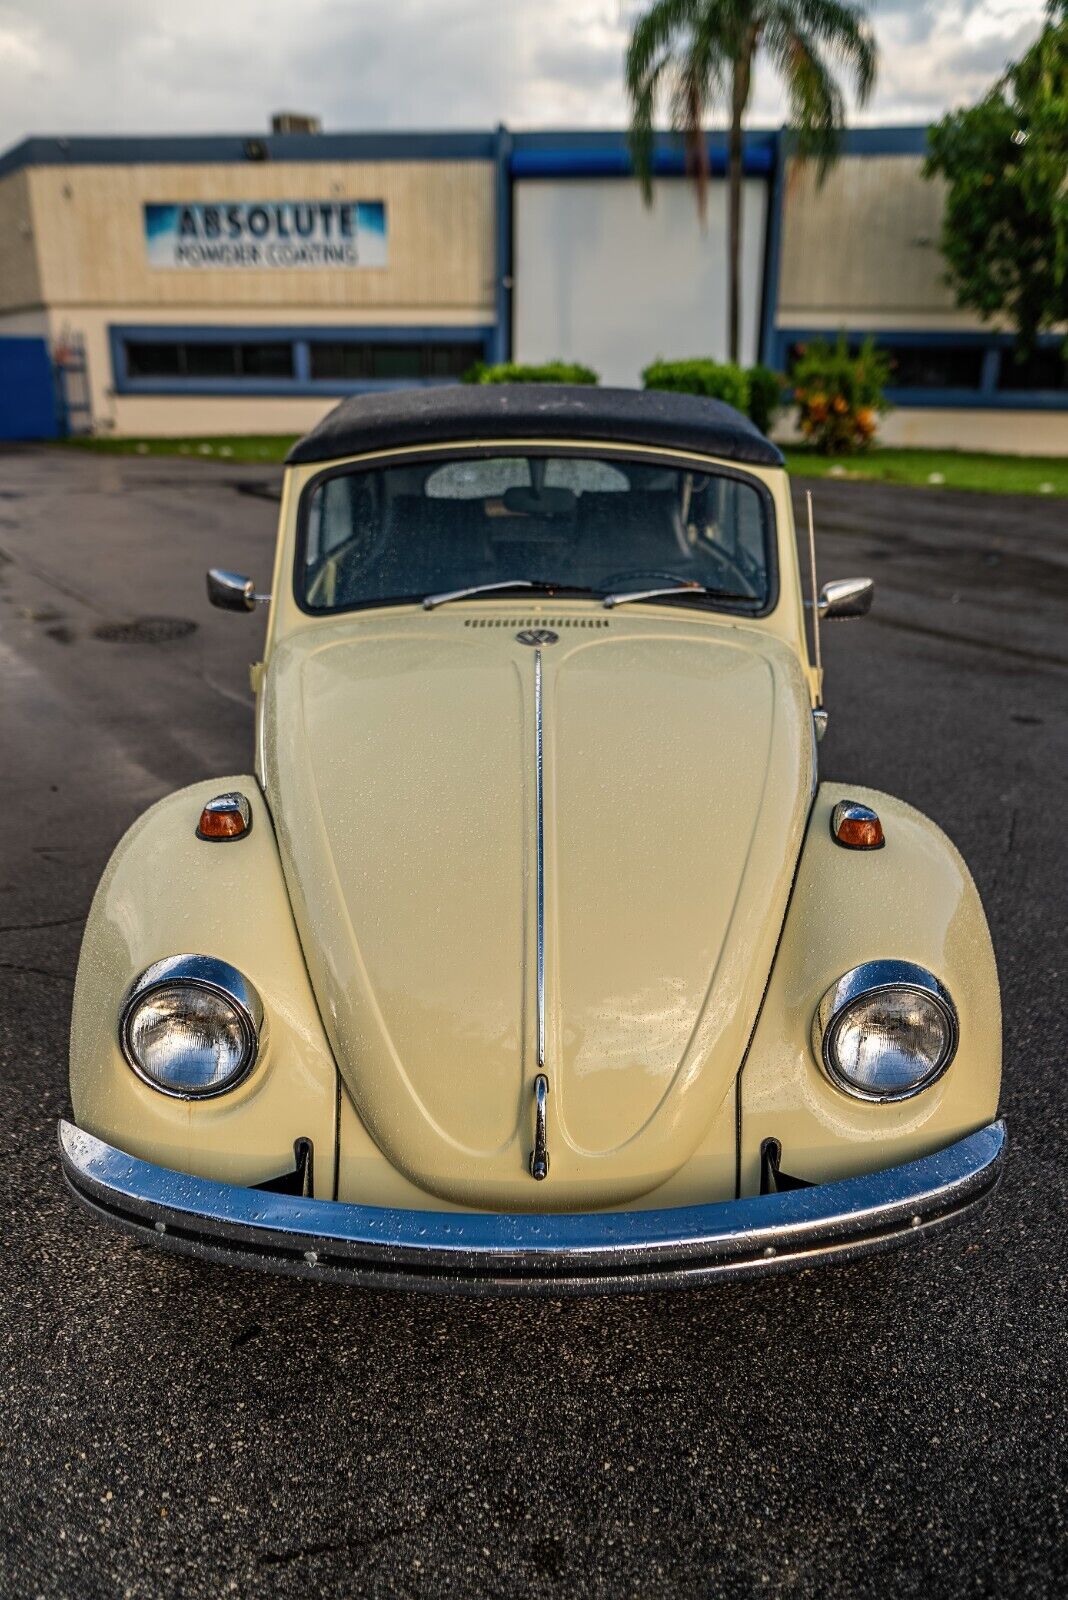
(154, 66)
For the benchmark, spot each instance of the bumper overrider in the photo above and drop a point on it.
(555, 1254)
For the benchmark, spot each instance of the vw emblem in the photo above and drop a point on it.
(537, 636)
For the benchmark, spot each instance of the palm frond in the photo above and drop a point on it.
(677, 55)
(810, 42)
(844, 32)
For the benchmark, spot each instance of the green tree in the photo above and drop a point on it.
(695, 53)
(1005, 163)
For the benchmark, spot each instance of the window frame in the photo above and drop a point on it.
(996, 352)
(744, 610)
(301, 338)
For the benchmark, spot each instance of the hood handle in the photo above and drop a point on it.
(539, 1156)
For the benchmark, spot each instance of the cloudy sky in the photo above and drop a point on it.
(132, 66)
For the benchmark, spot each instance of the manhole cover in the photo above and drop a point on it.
(145, 630)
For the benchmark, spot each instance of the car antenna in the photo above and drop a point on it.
(815, 596)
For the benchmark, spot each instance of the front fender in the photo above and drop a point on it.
(166, 892)
(913, 900)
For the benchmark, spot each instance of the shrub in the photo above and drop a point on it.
(839, 394)
(765, 396)
(755, 391)
(716, 380)
(519, 372)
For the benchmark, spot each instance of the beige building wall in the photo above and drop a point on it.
(34, 324)
(1021, 433)
(1004, 432)
(89, 233)
(75, 247)
(863, 249)
(20, 288)
(206, 416)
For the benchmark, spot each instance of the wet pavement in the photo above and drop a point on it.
(892, 1427)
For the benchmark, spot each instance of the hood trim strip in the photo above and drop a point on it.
(539, 811)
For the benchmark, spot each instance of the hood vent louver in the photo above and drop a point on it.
(536, 622)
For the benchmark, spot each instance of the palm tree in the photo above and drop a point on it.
(697, 52)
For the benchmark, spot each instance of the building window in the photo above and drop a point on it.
(151, 358)
(946, 369)
(285, 361)
(1045, 368)
(934, 366)
(938, 366)
(340, 359)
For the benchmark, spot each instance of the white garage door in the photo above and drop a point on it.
(600, 278)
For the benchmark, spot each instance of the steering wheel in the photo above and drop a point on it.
(614, 579)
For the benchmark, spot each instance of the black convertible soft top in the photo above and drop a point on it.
(390, 420)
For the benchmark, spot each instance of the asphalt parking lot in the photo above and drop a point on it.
(894, 1427)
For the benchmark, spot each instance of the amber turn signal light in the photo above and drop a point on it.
(856, 827)
(227, 816)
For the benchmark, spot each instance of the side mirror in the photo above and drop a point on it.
(846, 597)
(231, 591)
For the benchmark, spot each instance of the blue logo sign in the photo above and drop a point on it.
(254, 235)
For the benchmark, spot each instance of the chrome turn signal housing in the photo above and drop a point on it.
(191, 1026)
(885, 1031)
(856, 827)
(225, 817)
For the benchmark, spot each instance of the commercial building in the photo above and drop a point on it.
(240, 285)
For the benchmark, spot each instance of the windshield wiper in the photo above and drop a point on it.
(675, 588)
(432, 600)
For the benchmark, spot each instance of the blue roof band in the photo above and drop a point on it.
(617, 163)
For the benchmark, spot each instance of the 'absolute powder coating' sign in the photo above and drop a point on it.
(272, 234)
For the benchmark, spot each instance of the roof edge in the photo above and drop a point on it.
(251, 149)
(604, 145)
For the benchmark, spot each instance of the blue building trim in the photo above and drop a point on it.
(502, 345)
(773, 254)
(29, 401)
(991, 369)
(254, 149)
(996, 347)
(301, 337)
(605, 153)
(901, 141)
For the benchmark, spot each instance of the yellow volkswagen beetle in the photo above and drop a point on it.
(534, 955)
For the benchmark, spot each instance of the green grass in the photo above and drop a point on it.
(250, 447)
(949, 469)
(941, 469)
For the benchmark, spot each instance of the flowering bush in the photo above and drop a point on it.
(839, 394)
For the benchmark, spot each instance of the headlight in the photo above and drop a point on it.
(190, 1026)
(885, 1031)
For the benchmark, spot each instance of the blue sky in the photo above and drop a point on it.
(126, 66)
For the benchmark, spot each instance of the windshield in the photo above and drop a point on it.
(580, 524)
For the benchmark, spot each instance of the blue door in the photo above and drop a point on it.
(27, 390)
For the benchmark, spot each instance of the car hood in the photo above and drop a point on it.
(401, 766)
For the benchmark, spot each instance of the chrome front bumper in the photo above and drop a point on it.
(454, 1252)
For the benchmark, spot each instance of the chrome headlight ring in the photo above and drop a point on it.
(865, 983)
(210, 976)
